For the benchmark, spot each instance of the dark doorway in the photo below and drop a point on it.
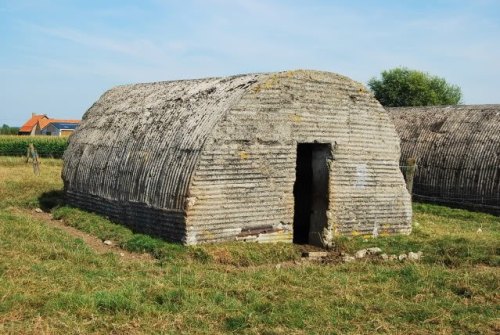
(311, 192)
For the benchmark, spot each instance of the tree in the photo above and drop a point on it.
(6, 130)
(401, 87)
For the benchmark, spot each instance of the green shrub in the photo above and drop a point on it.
(46, 146)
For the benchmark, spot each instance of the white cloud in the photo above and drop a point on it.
(136, 47)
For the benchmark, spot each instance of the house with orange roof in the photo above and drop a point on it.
(43, 125)
(29, 127)
(56, 127)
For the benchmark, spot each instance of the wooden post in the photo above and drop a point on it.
(411, 168)
(34, 156)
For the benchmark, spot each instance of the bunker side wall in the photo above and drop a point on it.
(133, 155)
(457, 149)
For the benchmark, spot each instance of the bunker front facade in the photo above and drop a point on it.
(457, 150)
(298, 156)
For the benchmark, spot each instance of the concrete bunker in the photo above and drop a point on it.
(457, 150)
(298, 156)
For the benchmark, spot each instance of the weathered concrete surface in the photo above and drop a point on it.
(214, 159)
(457, 149)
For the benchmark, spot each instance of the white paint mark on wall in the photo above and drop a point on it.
(376, 227)
(361, 172)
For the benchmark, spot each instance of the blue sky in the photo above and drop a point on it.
(57, 57)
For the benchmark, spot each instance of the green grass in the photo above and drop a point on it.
(446, 236)
(51, 282)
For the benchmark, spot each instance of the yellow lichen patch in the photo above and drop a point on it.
(355, 233)
(296, 118)
(271, 82)
(244, 155)
(256, 88)
(336, 229)
(385, 230)
(294, 73)
(207, 234)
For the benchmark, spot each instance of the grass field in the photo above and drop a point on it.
(52, 282)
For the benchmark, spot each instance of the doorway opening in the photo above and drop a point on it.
(311, 192)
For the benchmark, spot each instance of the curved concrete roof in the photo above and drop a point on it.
(164, 124)
(457, 150)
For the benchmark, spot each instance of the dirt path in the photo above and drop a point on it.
(93, 242)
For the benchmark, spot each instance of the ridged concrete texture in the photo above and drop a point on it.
(214, 159)
(457, 149)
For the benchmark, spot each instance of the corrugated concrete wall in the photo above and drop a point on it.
(135, 150)
(214, 159)
(243, 186)
(458, 153)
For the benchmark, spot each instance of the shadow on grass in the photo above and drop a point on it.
(50, 200)
(97, 225)
(135, 240)
(106, 229)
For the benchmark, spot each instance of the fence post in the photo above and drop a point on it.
(411, 168)
(34, 156)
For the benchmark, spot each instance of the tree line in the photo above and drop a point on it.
(7, 130)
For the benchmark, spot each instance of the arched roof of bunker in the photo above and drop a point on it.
(146, 138)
